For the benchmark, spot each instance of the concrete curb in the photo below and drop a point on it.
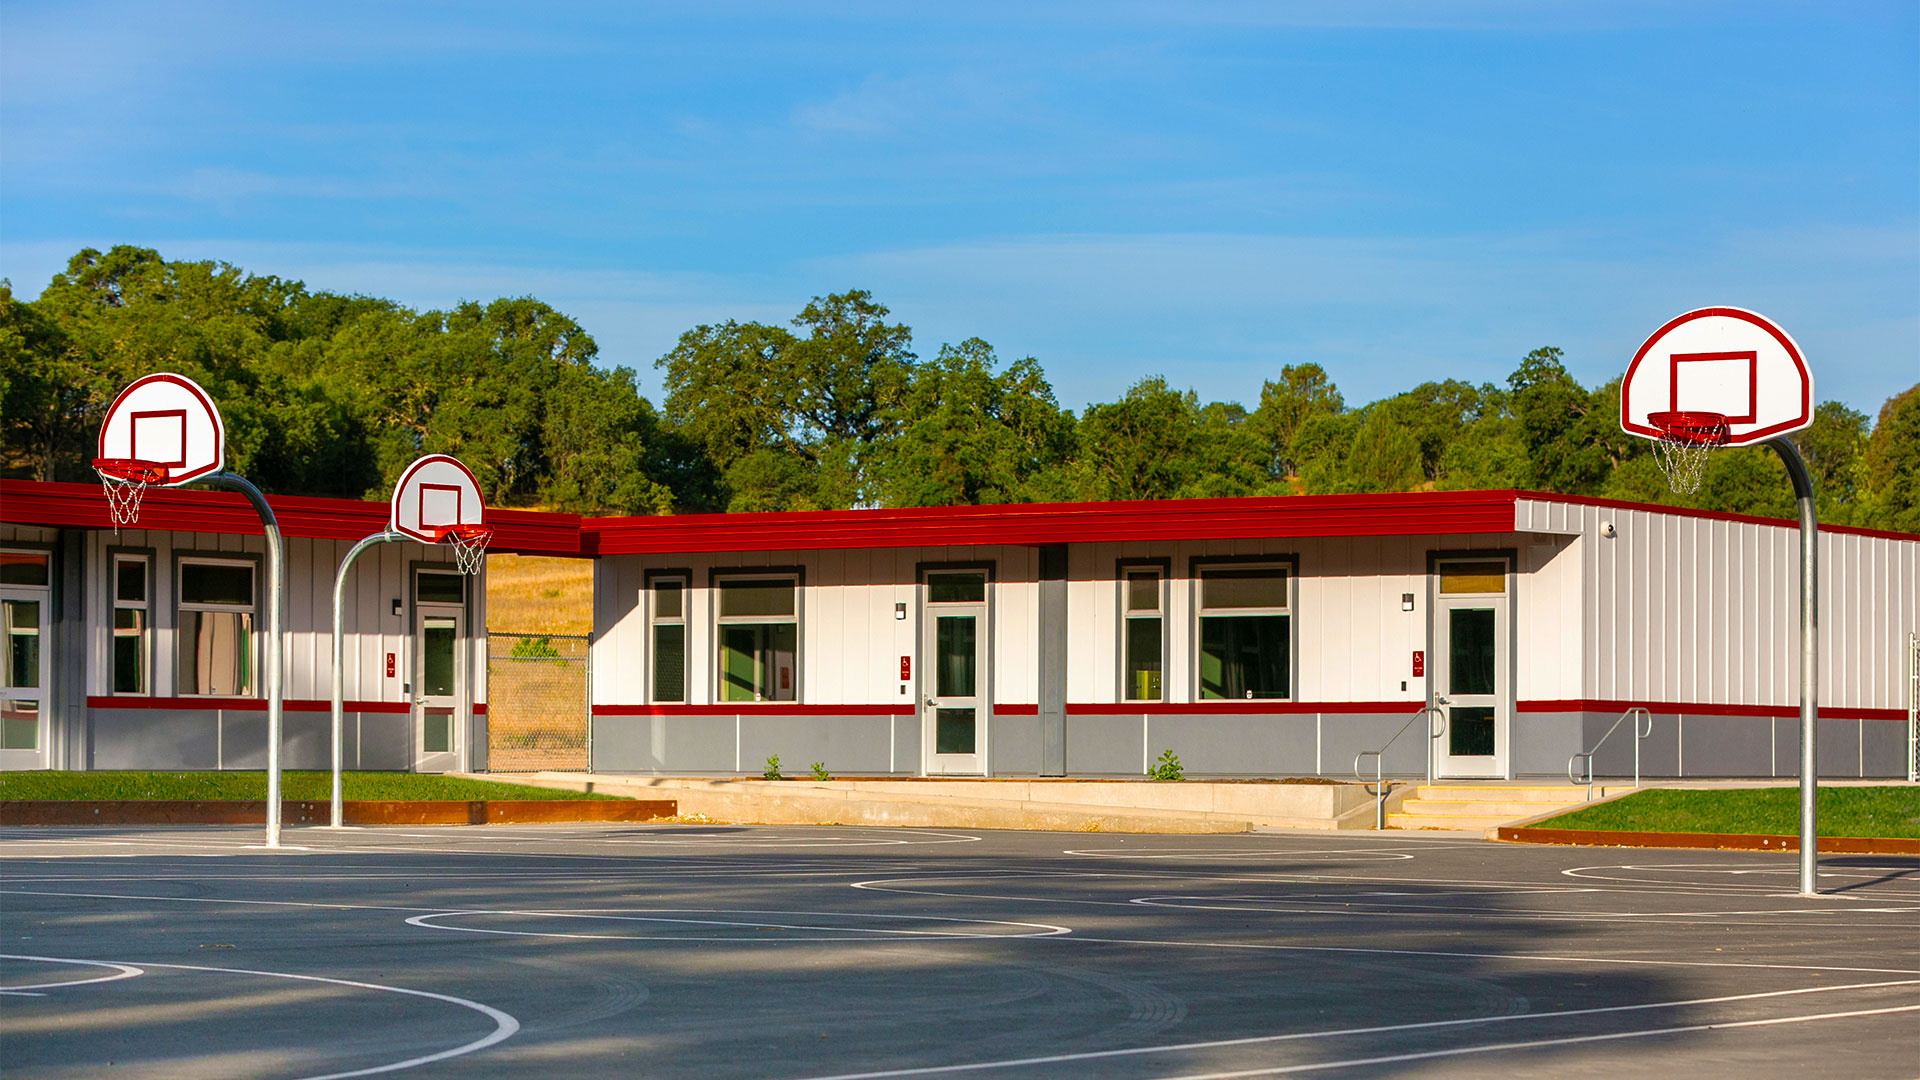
(292, 812)
(1834, 845)
(1041, 805)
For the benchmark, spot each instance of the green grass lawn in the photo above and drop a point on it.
(1843, 811)
(369, 786)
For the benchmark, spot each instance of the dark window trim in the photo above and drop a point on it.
(1165, 567)
(715, 574)
(684, 575)
(114, 603)
(1197, 563)
(181, 558)
(1512, 556)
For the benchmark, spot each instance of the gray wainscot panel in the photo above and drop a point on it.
(155, 739)
(1728, 745)
(1343, 735)
(1099, 745)
(1236, 744)
(1015, 745)
(1541, 743)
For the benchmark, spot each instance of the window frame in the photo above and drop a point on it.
(1196, 569)
(716, 576)
(183, 559)
(650, 646)
(115, 557)
(1163, 569)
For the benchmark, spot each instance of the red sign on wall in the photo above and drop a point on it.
(1419, 663)
(906, 668)
(389, 665)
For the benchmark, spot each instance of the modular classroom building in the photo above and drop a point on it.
(1249, 637)
(139, 648)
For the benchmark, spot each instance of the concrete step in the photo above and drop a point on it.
(1464, 822)
(1509, 810)
(1506, 793)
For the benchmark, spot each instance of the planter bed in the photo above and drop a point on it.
(1833, 845)
(301, 812)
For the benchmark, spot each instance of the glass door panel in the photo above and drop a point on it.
(1473, 685)
(23, 678)
(955, 709)
(437, 692)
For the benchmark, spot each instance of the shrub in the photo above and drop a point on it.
(819, 770)
(772, 771)
(1168, 768)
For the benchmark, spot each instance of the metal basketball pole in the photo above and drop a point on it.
(1809, 659)
(276, 589)
(335, 817)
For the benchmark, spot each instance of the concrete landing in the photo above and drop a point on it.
(1136, 806)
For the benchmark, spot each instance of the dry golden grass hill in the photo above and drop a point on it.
(527, 594)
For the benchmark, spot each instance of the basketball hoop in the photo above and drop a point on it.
(469, 545)
(125, 481)
(1685, 440)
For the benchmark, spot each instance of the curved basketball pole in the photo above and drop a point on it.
(336, 814)
(276, 622)
(1809, 658)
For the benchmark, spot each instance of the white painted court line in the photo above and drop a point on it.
(505, 1026)
(1536, 1044)
(843, 932)
(1382, 1029)
(122, 971)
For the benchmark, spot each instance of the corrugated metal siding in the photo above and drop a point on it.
(1693, 609)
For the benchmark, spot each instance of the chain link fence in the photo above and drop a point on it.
(537, 686)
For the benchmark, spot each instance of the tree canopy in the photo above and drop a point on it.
(329, 394)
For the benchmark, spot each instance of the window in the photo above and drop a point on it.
(431, 587)
(1245, 638)
(1142, 634)
(1473, 577)
(131, 645)
(215, 635)
(668, 612)
(758, 633)
(23, 568)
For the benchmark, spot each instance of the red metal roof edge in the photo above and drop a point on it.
(1710, 515)
(1407, 513)
(81, 506)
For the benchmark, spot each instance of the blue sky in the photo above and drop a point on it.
(1398, 191)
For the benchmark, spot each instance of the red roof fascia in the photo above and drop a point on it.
(83, 506)
(1710, 515)
(1404, 514)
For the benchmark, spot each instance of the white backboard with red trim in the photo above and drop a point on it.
(435, 491)
(1720, 360)
(165, 419)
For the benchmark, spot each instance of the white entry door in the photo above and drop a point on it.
(439, 688)
(953, 662)
(1471, 669)
(23, 678)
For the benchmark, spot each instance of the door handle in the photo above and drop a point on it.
(932, 704)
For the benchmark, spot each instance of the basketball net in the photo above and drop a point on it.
(125, 481)
(469, 545)
(1686, 438)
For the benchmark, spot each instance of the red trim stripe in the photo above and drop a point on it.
(240, 704)
(753, 708)
(1702, 708)
(1234, 707)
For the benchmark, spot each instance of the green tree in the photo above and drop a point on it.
(968, 432)
(1893, 462)
(1140, 447)
(1302, 391)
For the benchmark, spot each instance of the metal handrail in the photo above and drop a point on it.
(1587, 754)
(1379, 761)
